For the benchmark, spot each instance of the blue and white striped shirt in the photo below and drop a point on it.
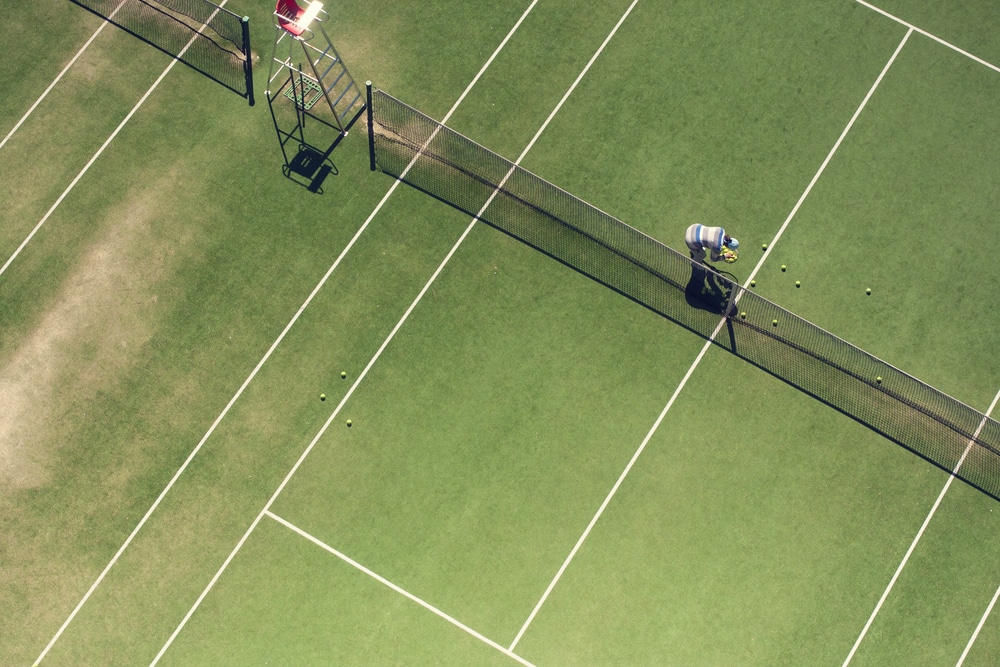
(709, 238)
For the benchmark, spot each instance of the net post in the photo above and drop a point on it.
(248, 58)
(371, 124)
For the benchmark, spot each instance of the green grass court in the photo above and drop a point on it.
(512, 488)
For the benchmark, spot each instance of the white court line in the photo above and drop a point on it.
(385, 344)
(979, 627)
(75, 180)
(264, 359)
(927, 34)
(618, 483)
(989, 607)
(916, 539)
(114, 134)
(708, 344)
(59, 76)
(382, 580)
(840, 139)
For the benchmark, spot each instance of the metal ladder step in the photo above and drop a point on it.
(350, 106)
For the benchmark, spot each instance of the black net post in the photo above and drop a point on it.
(248, 62)
(371, 124)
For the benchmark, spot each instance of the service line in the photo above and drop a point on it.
(929, 35)
(385, 582)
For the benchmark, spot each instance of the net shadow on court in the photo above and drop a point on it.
(432, 158)
(207, 38)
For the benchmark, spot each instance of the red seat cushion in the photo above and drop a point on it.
(291, 11)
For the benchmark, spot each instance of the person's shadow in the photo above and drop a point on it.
(708, 289)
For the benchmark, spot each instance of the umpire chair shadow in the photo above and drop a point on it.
(306, 160)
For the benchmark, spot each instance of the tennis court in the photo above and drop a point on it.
(510, 463)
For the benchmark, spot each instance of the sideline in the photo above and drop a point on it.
(59, 76)
(107, 142)
(263, 360)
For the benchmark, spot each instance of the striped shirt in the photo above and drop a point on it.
(709, 238)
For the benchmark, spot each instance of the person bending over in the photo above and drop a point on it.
(721, 245)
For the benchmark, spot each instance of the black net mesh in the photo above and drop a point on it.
(218, 51)
(433, 158)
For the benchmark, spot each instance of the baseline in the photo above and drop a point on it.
(382, 580)
(385, 344)
(708, 344)
(263, 360)
(916, 539)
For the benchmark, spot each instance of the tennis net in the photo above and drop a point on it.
(201, 34)
(433, 158)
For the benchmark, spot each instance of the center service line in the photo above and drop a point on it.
(916, 539)
(704, 349)
(266, 356)
(266, 510)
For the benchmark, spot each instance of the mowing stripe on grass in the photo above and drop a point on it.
(708, 343)
(916, 539)
(59, 76)
(382, 580)
(138, 104)
(929, 35)
(264, 359)
(392, 334)
(108, 141)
